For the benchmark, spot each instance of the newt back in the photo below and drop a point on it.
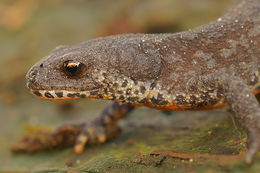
(163, 71)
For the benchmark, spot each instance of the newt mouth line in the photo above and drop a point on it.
(61, 94)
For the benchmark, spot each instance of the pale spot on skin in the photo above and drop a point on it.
(255, 31)
(211, 63)
(203, 55)
(227, 52)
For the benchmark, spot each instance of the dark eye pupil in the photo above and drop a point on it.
(72, 68)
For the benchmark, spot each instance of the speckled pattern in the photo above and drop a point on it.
(208, 67)
(157, 69)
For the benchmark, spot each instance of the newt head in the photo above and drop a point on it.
(113, 68)
(69, 72)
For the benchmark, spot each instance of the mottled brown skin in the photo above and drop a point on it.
(209, 67)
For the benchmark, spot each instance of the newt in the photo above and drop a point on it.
(211, 66)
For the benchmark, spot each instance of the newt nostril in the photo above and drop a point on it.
(31, 76)
(33, 72)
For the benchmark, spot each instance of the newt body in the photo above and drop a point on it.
(209, 67)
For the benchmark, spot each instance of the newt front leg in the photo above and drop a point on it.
(98, 130)
(243, 103)
(247, 111)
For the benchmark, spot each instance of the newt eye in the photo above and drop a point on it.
(73, 68)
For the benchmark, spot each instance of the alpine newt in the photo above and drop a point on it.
(211, 66)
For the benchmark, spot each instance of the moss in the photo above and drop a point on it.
(219, 139)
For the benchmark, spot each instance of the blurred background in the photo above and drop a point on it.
(30, 29)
